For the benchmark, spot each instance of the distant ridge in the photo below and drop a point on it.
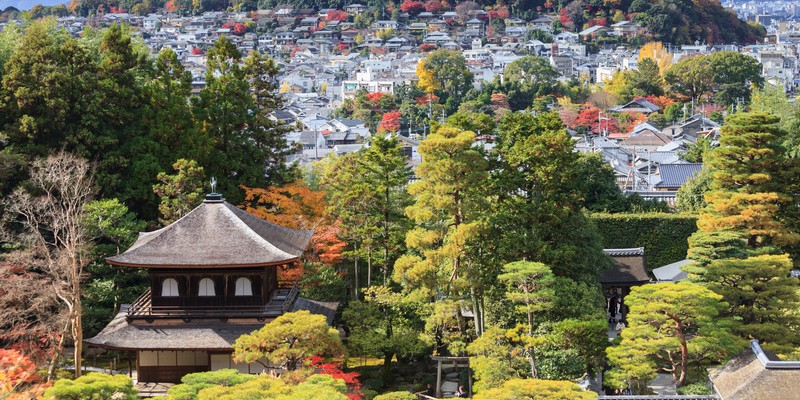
(23, 5)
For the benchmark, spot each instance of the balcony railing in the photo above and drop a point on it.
(281, 301)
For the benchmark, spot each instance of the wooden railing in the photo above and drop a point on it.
(143, 308)
(142, 304)
(291, 297)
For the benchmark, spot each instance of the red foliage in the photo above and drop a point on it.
(197, 51)
(390, 122)
(235, 27)
(411, 6)
(661, 101)
(334, 369)
(170, 6)
(342, 46)
(635, 119)
(375, 97)
(428, 98)
(18, 378)
(589, 117)
(325, 245)
(433, 6)
(564, 17)
(500, 13)
(338, 15)
(500, 100)
(426, 47)
(601, 22)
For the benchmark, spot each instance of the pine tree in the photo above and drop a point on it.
(738, 249)
(745, 195)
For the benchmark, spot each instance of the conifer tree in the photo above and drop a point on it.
(745, 193)
(448, 212)
(740, 245)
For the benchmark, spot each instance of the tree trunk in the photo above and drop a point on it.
(684, 363)
(532, 362)
(387, 368)
(386, 235)
(51, 370)
(369, 267)
(355, 275)
(475, 313)
(77, 336)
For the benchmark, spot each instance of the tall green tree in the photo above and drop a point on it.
(646, 80)
(672, 327)
(743, 223)
(745, 194)
(385, 170)
(690, 78)
(734, 75)
(245, 148)
(538, 216)
(449, 202)
(445, 72)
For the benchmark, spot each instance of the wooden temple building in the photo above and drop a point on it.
(213, 277)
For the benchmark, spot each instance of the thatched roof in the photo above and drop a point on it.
(215, 234)
(628, 267)
(194, 335)
(755, 374)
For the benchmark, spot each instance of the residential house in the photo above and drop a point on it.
(673, 176)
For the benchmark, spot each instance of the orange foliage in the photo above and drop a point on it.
(170, 6)
(18, 378)
(296, 206)
(326, 247)
(661, 101)
(375, 96)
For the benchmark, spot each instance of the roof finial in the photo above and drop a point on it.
(213, 185)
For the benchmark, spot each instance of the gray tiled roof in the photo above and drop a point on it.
(214, 235)
(675, 175)
(628, 267)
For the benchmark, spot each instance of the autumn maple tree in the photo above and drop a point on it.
(390, 122)
(18, 380)
(296, 206)
(338, 15)
(411, 6)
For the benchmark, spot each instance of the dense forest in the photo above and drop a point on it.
(669, 21)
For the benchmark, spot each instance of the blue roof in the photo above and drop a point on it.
(675, 175)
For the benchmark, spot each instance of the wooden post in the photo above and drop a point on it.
(439, 378)
(130, 365)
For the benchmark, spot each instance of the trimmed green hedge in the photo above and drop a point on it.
(664, 236)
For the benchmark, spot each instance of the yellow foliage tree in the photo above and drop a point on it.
(657, 52)
(426, 78)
